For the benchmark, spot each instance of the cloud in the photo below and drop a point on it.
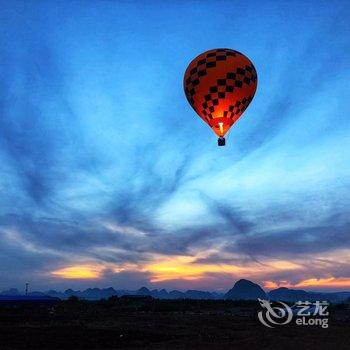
(233, 218)
(294, 242)
(96, 142)
(308, 69)
(147, 190)
(39, 130)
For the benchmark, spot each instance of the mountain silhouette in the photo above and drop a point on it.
(145, 291)
(245, 290)
(242, 290)
(197, 294)
(11, 291)
(286, 294)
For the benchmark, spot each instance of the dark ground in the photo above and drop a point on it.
(161, 324)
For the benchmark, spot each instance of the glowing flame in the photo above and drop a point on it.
(221, 126)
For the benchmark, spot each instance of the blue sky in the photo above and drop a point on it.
(107, 176)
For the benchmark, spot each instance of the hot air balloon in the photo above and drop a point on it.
(219, 84)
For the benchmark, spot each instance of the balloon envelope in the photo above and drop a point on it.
(219, 85)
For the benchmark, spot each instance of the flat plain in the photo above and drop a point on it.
(161, 324)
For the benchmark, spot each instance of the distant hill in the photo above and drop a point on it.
(245, 290)
(146, 292)
(11, 291)
(89, 294)
(287, 294)
(97, 293)
(197, 294)
(242, 290)
(293, 295)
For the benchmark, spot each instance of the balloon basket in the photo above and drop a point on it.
(221, 141)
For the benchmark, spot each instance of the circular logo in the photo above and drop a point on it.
(274, 315)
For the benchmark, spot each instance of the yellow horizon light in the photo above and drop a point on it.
(330, 282)
(325, 282)
(79, 272)
(186, 268)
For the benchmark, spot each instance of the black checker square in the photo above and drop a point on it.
(246, 80)
(195, 82)
(221, 81)
(210, 64)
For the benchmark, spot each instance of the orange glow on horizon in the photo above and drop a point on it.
(186, 268)
(79, 272)
(325, 282)
(274, 285)
(331, 282)
(162, 268)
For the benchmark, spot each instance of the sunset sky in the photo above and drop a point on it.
(108, 178)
